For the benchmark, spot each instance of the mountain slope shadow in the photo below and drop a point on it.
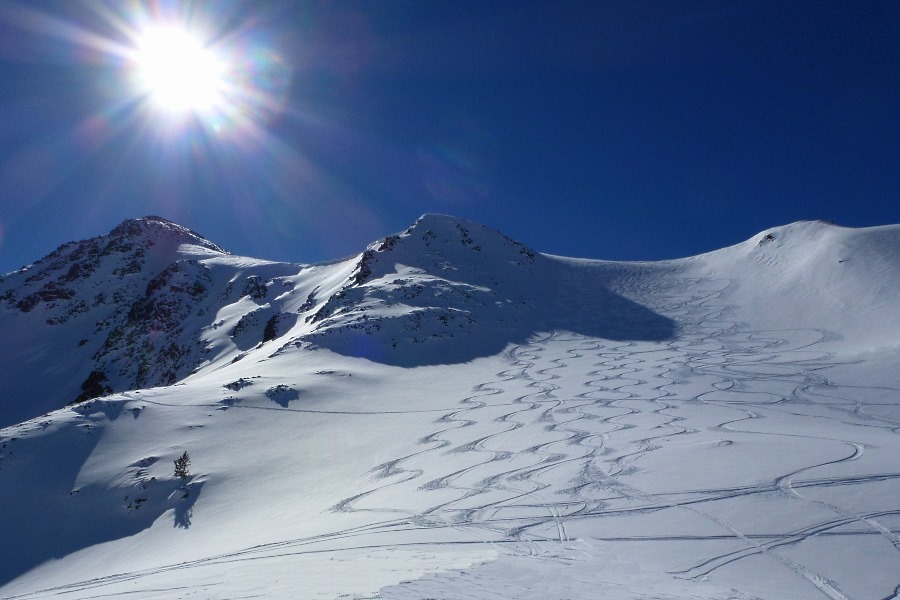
(449, 291)
(78, 516)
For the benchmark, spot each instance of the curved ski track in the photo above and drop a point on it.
(559, 438)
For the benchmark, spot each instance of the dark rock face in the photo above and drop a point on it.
(126, 293)
(151, 346)
(58, 280)
(255, 288)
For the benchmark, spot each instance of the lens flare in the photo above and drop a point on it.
(177, 71)
(183, 66)
(196, 109)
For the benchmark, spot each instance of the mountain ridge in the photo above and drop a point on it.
(722, 426)
(143, 296)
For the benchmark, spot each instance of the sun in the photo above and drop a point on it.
(177, 72)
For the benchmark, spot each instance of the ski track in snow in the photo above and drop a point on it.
(719, 347)
(593, 413)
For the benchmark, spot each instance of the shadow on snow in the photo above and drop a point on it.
(558, 296)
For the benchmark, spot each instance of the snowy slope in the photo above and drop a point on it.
(147, 305)
(450, 414)
(817, 275)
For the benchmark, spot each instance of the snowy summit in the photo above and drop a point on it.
(452, 414)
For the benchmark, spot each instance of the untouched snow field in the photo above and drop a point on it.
(718, 427)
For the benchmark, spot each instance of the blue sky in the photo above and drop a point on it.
(619, 130)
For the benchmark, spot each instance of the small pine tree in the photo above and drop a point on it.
(181, 465)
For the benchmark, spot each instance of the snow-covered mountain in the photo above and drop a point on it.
(721, 426)
(143, 306)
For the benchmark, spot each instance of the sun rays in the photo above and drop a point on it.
(172, 64)
(178, 72)
(195, 110)
(191, 68)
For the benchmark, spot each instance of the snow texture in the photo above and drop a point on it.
(450, 414)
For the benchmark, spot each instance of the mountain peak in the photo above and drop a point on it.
(150, 229)
(445, 225)
(438, 220)
(434, 234)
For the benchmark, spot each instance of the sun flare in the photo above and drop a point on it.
(177, 72)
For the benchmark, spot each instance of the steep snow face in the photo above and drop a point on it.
(447, 290)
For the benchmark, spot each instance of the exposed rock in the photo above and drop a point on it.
(93, 387)
(255, 288)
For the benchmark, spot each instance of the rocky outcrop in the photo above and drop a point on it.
(152, 345)
(126, 293)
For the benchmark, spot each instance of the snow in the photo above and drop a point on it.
(718, 427)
